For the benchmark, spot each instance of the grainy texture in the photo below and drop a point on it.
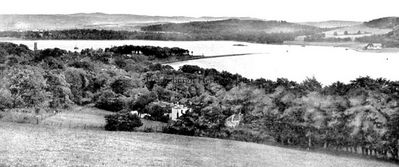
(27, 145)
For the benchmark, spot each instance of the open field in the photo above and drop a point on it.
(352, 30)
(78, 117)
(30, 145)
(91, 118)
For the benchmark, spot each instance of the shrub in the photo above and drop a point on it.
(122, 122)
(5, 99)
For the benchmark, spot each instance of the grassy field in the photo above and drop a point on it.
(91, 118)
(77, 138)
(42, 145)
(78, 117)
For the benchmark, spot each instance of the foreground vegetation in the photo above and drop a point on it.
(359, 117)
(26, 145)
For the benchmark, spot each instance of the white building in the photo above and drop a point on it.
(233, 120)
(373, 46)
(177, 111)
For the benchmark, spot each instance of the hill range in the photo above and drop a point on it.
(129, 22)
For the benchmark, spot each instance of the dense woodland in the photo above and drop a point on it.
(361, 116)
(92, 34)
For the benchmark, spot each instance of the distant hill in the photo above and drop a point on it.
(232, 26)
(332, 23)
(394, 35)
(385, 22)
(259, 31)
(26, 22)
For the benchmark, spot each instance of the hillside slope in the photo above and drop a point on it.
(385, 22)
(27, 145)
(331, 23)
(87, 20)
(258, 31)
(231, 25)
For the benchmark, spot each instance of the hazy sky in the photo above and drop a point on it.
(290, 10)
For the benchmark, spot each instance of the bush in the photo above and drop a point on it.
(5, 99)
(122, 122)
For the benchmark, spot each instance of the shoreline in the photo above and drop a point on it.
(194, 57)
(355, 46)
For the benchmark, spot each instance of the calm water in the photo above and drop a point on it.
(326, 64)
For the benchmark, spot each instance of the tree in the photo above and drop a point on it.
(311, 85)
(59, 88)
(56, 52)
(346, 33)
(158, 112)
(143, 101)
(123, 85)
(27, 86)
(78, 81)
(335, 33)
(109, 101)
(3, 56)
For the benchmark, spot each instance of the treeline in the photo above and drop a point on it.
(93, 34)
(321, 37)
(158, 52)
(361, 116)
(388, 40)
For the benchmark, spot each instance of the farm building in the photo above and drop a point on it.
(373, 46)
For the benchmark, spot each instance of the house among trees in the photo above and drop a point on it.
(177, 111)
(233, 120)
(373, 46)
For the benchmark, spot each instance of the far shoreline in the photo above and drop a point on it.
(356, 46)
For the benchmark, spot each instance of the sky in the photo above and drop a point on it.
(289, 10)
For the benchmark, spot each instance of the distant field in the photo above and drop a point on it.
(352, 30)
(30, 145)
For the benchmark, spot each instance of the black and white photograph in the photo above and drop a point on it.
(202, 83)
